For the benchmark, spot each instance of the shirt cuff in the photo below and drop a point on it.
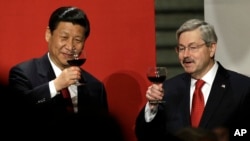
(52, 88)
(150, 112)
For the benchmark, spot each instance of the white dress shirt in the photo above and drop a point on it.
(72, 88)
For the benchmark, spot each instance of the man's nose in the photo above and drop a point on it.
(70, 45)
(186, 51)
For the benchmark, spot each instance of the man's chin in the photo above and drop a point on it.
(189, 70)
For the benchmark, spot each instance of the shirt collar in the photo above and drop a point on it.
(209, 76)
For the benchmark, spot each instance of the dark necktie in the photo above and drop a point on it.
(68, 101)
(197, 104)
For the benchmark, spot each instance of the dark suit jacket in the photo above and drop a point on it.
(30, 95)
(227, 106)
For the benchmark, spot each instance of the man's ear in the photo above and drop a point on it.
(47, 34)
(212, 48)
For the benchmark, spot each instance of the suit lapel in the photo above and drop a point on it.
(186, 101)
(45, 68)
(217, 93)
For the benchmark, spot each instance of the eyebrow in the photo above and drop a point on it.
(189, 44)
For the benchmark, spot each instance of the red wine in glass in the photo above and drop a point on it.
(157, 75)
(76, 61)
(157, 79)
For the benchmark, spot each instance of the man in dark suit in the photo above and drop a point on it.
(225, 94)
(37, 84)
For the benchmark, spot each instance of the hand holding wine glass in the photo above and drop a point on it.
(77, 61)
(157, 75)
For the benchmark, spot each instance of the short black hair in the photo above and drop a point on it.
(69, 14)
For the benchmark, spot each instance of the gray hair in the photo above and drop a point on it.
(208, 34)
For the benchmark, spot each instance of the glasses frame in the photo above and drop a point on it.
(191, 48)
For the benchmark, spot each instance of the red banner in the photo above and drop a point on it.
(120, 47)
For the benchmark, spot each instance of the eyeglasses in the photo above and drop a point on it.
(191, 48)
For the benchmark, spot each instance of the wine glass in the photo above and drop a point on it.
(77, 61)
(157, 75)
